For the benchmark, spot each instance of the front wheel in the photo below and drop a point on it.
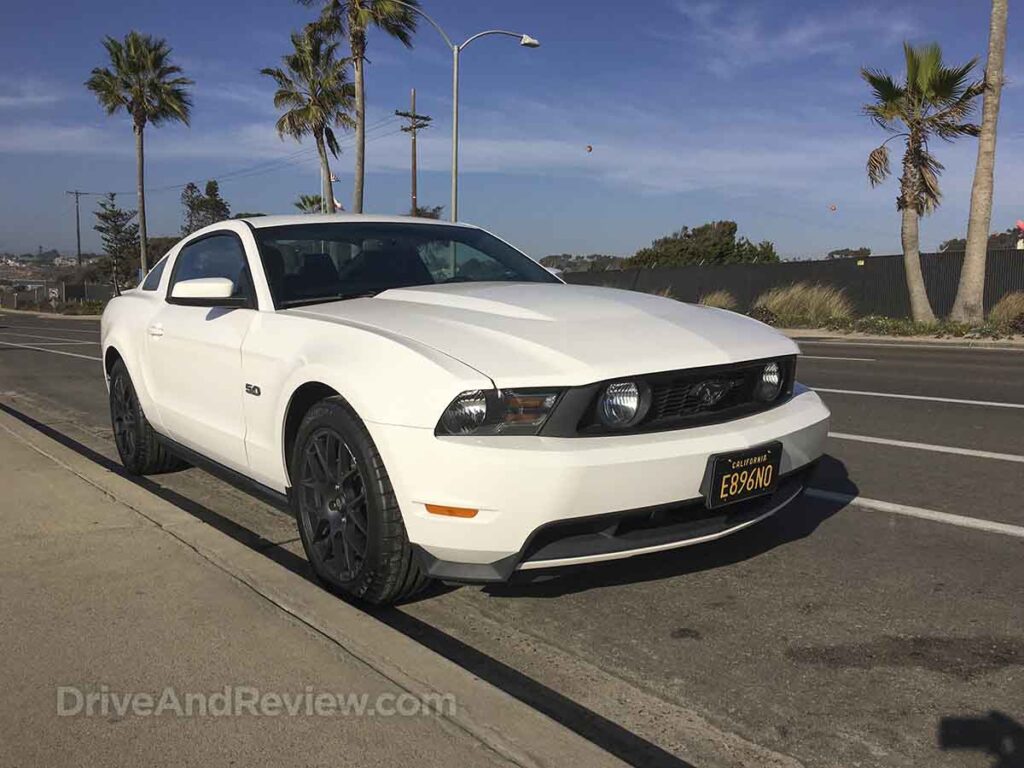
(348, 517)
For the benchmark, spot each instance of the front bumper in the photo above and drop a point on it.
(547, 502)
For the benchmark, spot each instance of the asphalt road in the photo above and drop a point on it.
(836, 634)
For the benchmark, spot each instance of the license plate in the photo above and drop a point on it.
(743, 475)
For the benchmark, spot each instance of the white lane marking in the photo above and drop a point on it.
(46, 338)
(929, 447)
(851, 359)
(65, 343)
(961, 521)
(58, 329)
(898, 396)
(898, 345)
(51, 351)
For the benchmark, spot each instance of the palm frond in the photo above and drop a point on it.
(929, 169)
(948, 84)
(878, 165)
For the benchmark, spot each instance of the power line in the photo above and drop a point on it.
(293, 158)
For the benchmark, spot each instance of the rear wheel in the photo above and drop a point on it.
(347, 513)
(137, 445)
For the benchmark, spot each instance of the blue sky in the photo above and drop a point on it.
(696, 110)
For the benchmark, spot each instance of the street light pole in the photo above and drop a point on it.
(524, 40)
(453, 210)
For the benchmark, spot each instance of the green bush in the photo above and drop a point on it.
(721, 299)
(1008, 312)
(803, 305)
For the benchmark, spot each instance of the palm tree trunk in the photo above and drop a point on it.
(920, 307)
(326, 188)
(357, 67)
(969, 306)
(140, 174)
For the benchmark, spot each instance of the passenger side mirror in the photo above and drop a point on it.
(206, 292)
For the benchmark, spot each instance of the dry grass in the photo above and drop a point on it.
(804, 305)
(665, 293)
(721, 299)
(1009, 312)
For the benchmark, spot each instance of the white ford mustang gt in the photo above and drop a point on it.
(431, 403)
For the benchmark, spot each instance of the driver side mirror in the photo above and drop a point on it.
(206, 292)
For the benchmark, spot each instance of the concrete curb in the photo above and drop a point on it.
(1015, 342)
(497, 720)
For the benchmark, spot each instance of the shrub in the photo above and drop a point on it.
(804, 305)
(879, 325)
(765, 315)
(720, 298)
(1009, 312)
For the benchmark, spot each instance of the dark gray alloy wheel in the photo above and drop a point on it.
(137, 444)
(348, 517)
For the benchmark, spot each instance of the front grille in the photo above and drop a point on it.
(686, 397)
(696, 397)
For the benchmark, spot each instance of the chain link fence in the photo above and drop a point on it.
(40, 293)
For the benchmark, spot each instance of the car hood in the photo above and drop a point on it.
(537, 334)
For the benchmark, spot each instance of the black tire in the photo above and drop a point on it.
(347, 514)
(137, 445)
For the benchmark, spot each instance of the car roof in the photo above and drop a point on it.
(259, 222)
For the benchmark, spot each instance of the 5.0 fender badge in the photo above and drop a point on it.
(252, 389)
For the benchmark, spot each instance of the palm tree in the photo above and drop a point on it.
(309, 203)
(970, 296)
(312, 204)
(354, 18)
(141, 81)
(314, 91)
(933, 101)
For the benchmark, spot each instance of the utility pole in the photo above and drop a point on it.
(78, 222)
(78, 225)
(415, 123)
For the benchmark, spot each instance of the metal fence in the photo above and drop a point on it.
(875, 285)
(43, 292)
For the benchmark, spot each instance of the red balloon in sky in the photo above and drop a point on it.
(833, 208)
(590, 148)
(1020, 224)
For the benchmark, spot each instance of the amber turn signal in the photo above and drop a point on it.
(437, 509)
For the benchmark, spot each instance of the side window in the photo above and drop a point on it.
(152, 281)
(215, 256)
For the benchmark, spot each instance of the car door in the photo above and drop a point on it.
(193, 353)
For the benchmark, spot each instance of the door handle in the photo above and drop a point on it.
(157, 329)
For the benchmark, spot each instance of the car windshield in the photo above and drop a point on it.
(312, 263)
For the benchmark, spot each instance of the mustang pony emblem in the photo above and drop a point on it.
(710, 392)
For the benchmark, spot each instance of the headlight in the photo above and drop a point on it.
(493, 412)
(623, 404)
(467, 412)
(770, 384)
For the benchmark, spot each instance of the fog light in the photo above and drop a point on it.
(623, 404)
(770, 385)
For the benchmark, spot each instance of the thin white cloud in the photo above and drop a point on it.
(734, 37)
(25, 93)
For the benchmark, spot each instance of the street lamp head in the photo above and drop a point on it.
(529, 42)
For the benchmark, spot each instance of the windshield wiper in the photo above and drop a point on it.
(326, 299)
